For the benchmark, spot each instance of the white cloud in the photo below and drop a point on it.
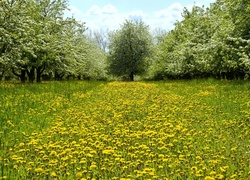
(74, 10)
(109, 17)
(136, 15)
(172, 10)
(106, 17)
(166, 18)
(109, 9)
(94, 10)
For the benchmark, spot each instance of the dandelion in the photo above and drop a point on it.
(38, 170)
(21, 144)
(127, 129)
(90, 155)
(10, 123)
(53, 153)
(233, 176)
(219, 176)
(108, 151)
(209, 178)
(92, 167)
(212, 173)
(194, 168)
(223, 169)
(198, 175)
(233, 148)
(78, 175)
(53, 174)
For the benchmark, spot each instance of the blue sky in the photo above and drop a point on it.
(110, 14)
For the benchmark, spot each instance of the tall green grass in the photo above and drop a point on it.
(36, 103)
(195, 129)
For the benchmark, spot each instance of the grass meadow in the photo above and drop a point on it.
(197, 129)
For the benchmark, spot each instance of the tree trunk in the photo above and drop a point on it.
(39, 71)
(58, 76)
(1, 75)
(131, 76)
(21, 76)
(38, 75)
(61, 76)
(31, 74)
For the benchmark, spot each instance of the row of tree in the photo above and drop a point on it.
(35, 38)
(37, 41)
(212, 42)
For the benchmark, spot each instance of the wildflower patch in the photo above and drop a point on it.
(123, 130)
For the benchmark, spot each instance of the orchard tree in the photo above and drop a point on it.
(28, 30)
(35, 38)
(49, 33)
(130, 49)
(207, 42)
(15, 26)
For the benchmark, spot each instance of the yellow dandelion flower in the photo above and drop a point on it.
(93, 166)
(198, 175)
(170, 145)
(161, 155)
(108, 151)
(194, 168)
(198, 158)
(222, 169)
(212, 173)
(21, 144)
(82, 161)
(90, 155)
(152, 173)
(53, 153)
(233, 148)
(53, 174)
(209, 178)
(78, 175)
(233, 176)
(219, 176)
(39, 170)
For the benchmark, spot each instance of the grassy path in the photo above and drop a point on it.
(118, 130)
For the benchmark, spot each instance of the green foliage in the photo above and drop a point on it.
(35, 38)
(212, 42)
(129, 49)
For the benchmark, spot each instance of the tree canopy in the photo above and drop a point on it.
(36, 39)
(211, 42)
(129, 49)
